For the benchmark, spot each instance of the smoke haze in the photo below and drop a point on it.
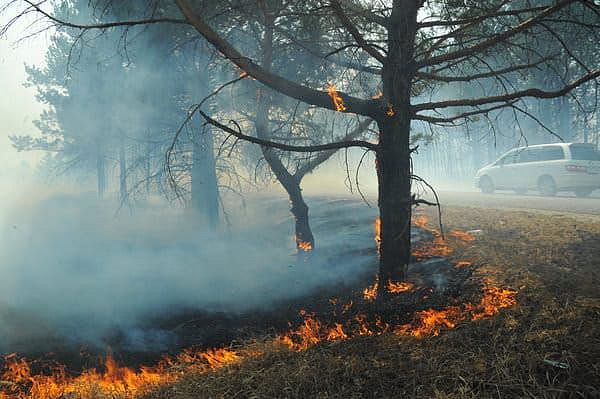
(74, 269)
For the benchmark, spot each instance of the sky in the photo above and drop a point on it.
(18, 106)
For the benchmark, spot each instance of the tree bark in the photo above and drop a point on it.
(393, 155)
(304, 238)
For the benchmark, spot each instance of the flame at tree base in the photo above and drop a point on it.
(426, 323)
(18, 381)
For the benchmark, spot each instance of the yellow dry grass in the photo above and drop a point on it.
(548, 346)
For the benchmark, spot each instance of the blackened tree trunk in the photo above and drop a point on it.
(393, 155)
(304, 238)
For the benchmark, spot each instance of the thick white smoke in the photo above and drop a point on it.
(74, 269)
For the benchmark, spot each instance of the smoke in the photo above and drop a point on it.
(74, 270)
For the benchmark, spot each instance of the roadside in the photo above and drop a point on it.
(580, 208)
(547, 345)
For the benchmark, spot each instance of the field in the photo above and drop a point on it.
(546, 346)
(535, 334)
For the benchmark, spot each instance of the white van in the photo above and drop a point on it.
(547, 168)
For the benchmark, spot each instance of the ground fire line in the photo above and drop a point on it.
(17, 380)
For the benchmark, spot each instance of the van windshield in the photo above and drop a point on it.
(584, 153)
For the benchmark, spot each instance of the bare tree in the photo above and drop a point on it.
(409, 46)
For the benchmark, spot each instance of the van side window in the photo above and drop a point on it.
(538, 154)
(528, 155)
(584, 152)
(508, 159)
(552, 153)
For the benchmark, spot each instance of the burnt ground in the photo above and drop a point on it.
(546, 346)
(437, 284)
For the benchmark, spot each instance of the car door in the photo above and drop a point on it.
(502, 169)
(528, 171)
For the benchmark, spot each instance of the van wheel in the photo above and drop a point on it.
(583, 192)
(547, 186)
(486, 185)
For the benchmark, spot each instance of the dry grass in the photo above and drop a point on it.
(552, 261)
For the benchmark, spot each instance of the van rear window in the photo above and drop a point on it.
(584, 153)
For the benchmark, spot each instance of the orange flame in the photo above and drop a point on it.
(370, 293)
(462, 235)
(338, 102)
(114, 381)
(463, 263)
(390, 110)
(127, 383)
(378, 233)
(429, 322)
(393, 287)
(18, 382)
(304, 246)
(439, 246)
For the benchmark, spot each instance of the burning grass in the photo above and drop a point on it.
(355, 351)
(522, 352)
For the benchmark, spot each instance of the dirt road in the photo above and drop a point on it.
(559, 204)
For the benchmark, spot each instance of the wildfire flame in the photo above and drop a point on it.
(338, 102)
(390, 110)
(18, 382)
(113, 381)
(429, 322)
(462, 235)
(439, 246)
(303, 245)
(370, 293)
(393, 287)
(378, 233)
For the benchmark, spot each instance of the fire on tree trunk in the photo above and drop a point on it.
(393, 154)
(393, 171)
(304, 237)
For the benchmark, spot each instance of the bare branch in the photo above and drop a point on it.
(325, 155)
(288, 147)
(353, 30)
(465, 115)
(484, 75)
(105, 25)
(481, 46)
(272, 80)
(535, 93)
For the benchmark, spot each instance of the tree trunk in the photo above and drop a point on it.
(101, 174)
(565, 119)
(303, 234)
(122, 172)
(205, 194)
(148, 168)
(393, 156)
